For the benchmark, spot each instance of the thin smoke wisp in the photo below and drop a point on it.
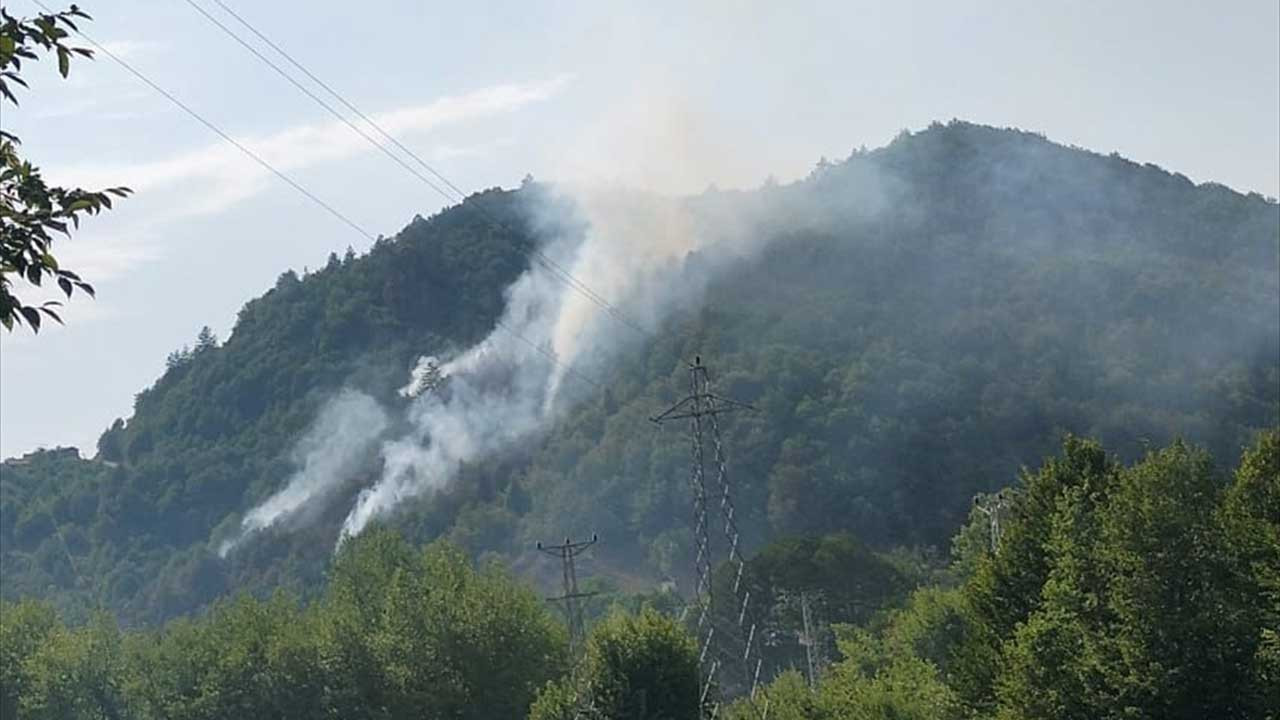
(332, 450)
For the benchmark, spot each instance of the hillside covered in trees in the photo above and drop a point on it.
(1004, 292)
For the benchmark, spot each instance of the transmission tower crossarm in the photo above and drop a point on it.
(702, 405)
(729, 404)
(675, 412)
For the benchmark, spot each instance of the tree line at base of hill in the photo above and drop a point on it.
(1143, 590)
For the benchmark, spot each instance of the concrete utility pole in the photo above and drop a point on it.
(703, 409)
(810, 641)
(992, 506)
(808, 636)
(571, 597)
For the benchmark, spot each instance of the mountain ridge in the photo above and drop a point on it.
(1009, 287)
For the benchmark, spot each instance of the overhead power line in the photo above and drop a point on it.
(301, 68)
(302, 88)
(291, 182)
(458, 195)
(550, 356)
(219, 132)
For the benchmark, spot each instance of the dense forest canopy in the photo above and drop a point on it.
(1146, 590)
(922, 320)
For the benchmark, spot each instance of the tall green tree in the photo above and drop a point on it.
(1145, 612)
(408, 633)
(32, 212)
(24, 629)
(636, 667)
(1153, 596)
(874, 680)
(1251, 516)
(245, 658)
(1006, 585)
(76, 674)
(401, 633)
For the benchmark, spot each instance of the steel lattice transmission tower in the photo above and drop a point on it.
(703, 409)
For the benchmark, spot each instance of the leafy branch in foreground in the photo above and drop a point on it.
(31, 212)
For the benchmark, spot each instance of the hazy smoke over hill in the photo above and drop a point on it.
(936, 226)
(502, 389)
(628, 247)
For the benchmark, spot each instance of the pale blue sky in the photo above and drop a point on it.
(670, 96)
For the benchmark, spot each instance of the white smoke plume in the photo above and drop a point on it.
(632, 253)
(346, 430)
(501, 390)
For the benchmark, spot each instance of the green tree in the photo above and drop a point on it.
(25, 627)
(636, 667)
(1006, 585)
(938, 625)
(406, 633)
(877, 683)
(31, 211)
(789, 697)
(246, 658)
(76, 674)
(1251, 516)
(206, 339)
(1144, 613)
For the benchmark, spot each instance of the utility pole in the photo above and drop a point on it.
(571, 597)
(810, 641)
(992, 506)
(703, 409)
(810, 628)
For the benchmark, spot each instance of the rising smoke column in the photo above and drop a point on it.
(498, 391)
(501, 390)
(631, 248)
(346, 429)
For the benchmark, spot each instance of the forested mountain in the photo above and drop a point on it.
(1006, 291)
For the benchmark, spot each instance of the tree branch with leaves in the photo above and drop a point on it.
(32, 213)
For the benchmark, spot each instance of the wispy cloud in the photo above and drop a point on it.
(95, 91)
(215, 177)
(484, 149)
(132, 49)
(23, 344)
(113, 103)
(103, 257)
(218, 176)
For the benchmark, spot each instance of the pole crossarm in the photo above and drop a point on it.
(570, 597)
(993, 506)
